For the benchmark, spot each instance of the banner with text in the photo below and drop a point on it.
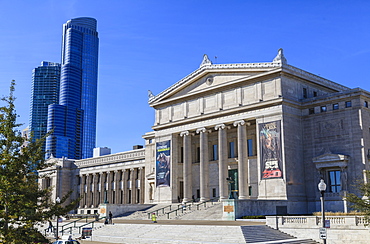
(163, 163)
(270, 149)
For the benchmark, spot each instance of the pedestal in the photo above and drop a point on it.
(229, 209)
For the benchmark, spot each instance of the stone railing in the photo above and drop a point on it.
(316, 221)
(342, 230)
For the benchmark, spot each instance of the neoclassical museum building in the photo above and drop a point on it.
(262, 133)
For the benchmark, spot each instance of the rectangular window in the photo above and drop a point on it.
(335, 106)
(323, 109)
(348, 104)
(214, 152)
(213, 192)
(182, 155)
(198, 155)
(250, 147)
(250, 190)
(334, 181)
(231, 149)
(311, 110)
(315, 94)
(304, 92)
(366, 104)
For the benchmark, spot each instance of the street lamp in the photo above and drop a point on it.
(322, 188)
(57, 201)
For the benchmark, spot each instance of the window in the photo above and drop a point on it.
(214, 152)
(311, 110)
(231, 149)
(335, 106)
(182, 155)
(334, 181)
(213, 192)
(348, 104)
(198, 154)
(250, 147)
(304, 92)
(250, 190)
(366, 104)
(323, 109)
(315, 94)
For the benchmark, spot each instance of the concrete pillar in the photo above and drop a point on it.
(125, 186)
(187, 166)
(242, 159)
(222, 160)
(203, 166)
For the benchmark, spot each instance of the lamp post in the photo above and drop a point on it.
(57, 201)
(322, 188)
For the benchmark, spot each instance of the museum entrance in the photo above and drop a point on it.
(233, 181)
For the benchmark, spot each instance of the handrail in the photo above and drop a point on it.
(205, 203)
(92, 224)
(75, 221)
(156, 211)
(181, 207)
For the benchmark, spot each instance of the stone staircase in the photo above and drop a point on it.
(205, 211)
(265, 234)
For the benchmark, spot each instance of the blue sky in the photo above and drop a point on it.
(149, 45)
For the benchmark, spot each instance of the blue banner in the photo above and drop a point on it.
(163, 163)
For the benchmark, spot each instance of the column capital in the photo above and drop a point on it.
(184, 133)
(202, 130)
(220, 127)
(239, 123)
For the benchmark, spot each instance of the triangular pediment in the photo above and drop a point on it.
(211, 77)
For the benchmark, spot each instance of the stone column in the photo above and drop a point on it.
(109, 186)
(222, 161)
(95, 190)
(125, 186)
(242, 159)
(82, 191)
(133, 185)
(117, 190)
(187, 166)
(142, 185)
(101, 187)
(203, 165)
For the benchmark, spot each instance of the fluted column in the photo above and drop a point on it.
(109, 186)
(187, 166)
(101, 188)
(203, 165)
(125, 186)
(95, 190)
(117, 191)
(133, 185)
(82, 191)
(242, 159)
(142, 185)
(222, 160)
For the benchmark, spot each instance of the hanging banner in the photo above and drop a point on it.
(163, 163)
(270, 149)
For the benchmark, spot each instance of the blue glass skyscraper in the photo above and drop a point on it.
(45, 91)
(74, 118)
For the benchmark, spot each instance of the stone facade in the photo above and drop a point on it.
(264, 133)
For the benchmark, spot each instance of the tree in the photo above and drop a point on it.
(361, 203)
(22, 203)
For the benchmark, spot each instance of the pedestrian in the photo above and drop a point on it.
(154, 218)
(50, 228)
(110, 217)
